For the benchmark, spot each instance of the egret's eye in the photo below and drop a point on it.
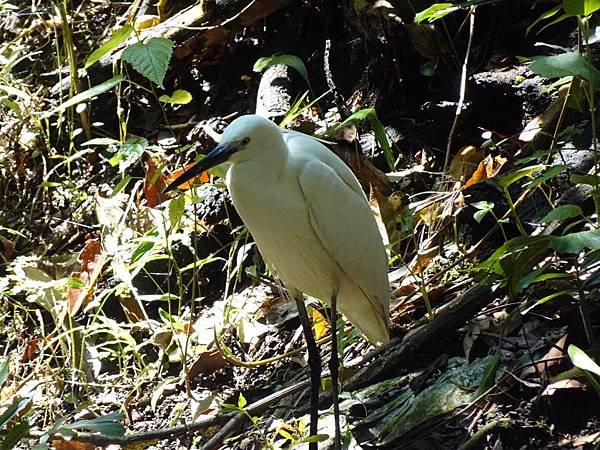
(245, 141)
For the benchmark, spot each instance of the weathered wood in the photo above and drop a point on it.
(388, 361)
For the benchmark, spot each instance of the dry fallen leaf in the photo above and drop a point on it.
(92, 261)
(320, 324)
(154, 183)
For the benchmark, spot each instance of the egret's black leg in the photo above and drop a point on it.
(314, 362)
(334, 366)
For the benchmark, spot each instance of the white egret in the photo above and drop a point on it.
(312, 224)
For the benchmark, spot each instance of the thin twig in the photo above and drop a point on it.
(463, 84)
(172, 432)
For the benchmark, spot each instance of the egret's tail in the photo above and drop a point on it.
(364, 312)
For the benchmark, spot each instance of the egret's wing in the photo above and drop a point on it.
(289, 133)
(345, 225)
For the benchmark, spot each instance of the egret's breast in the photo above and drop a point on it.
(276, 214)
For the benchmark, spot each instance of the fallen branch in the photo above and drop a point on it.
(232, 421)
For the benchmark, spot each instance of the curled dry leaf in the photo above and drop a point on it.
(488, 168)
(464, 163)
(92, 261)
(154, 183)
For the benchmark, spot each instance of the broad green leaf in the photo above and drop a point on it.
(129, 152)
(550, 173)
(562, 212)
(515, 176)
(117, 38)
(176, 209)
(570, 64)
(151, 58)
(435, 12)
(289, 60)
(515, 246)
(592, 180)
(179, 97)
(580, 359)
(107, 425)
(581, 7)
(370, 115)
(90, 93)
(576, 242)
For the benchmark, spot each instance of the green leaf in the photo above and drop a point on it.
(314, 438)
(435, 12)
(229, 407)
(120, 186)
(562, 212)
(179, 97)
(576, 242)
(14, 435)
(4, 371)
(75, 283)
(483, 208)
(14, 106)
(129, 152)
(545, 15)
(17, 406)
(286, 435)
(554, 22)
(10, 90)
(176, 210)
(570, 64)
(581, 7)
(580, 359)
(515, 176)
(537, 277)
(151, 58)
(90, 93)
(100, 141)
(117, 38)
(545, 299)
(141, 250)
(592, 180)
(107, 425)
(370, 115)
(488, 378)
(242, 401)
(289, 60)
(550, 173)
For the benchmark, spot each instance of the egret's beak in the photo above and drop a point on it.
(216, 156)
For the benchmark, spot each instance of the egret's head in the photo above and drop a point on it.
(246, 138)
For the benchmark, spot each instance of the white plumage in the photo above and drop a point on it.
(310, 219)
